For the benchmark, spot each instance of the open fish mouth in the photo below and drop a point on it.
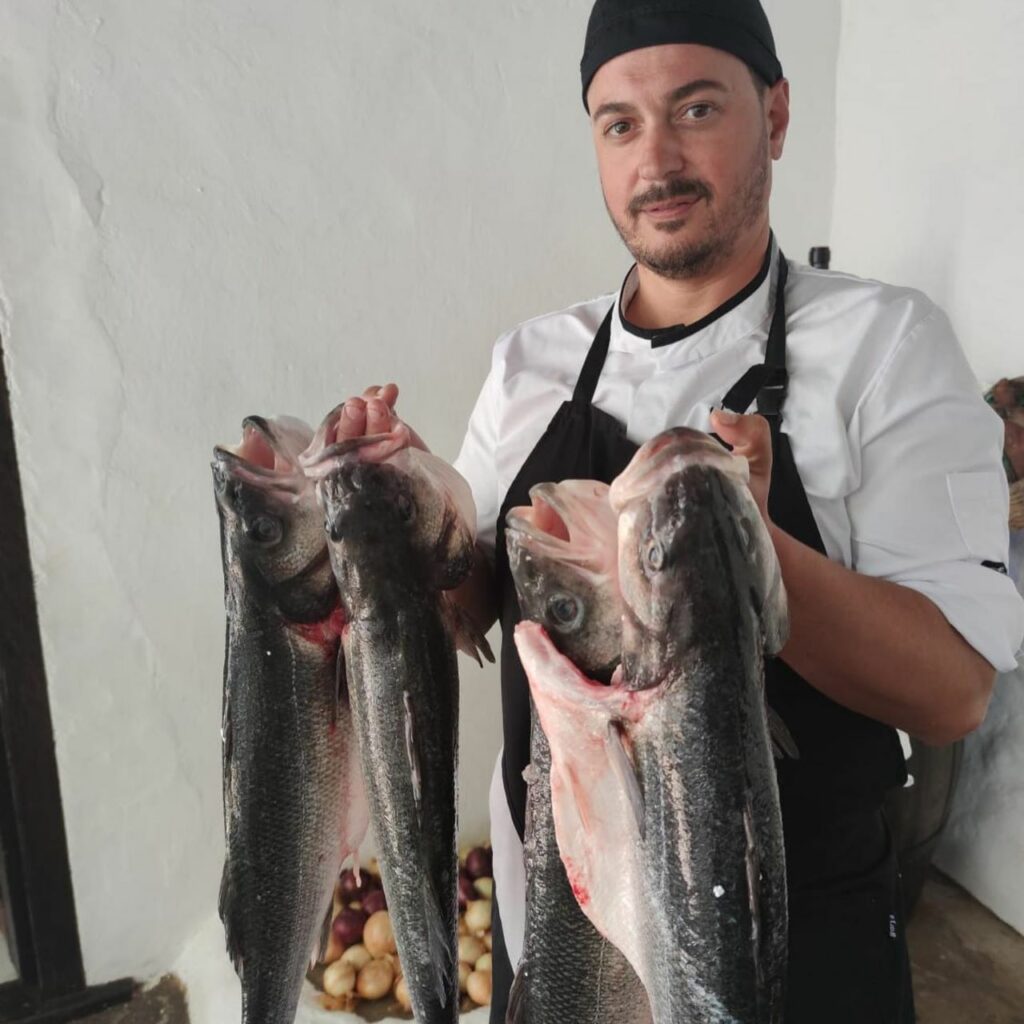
(571, 522)
(267, 455)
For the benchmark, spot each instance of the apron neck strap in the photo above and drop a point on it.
(768, 382)
(586, 385)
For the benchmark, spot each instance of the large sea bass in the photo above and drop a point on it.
(664, 791)
(293, 801)
(562, 552)
(401, 525)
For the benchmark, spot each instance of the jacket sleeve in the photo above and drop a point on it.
(931, 508)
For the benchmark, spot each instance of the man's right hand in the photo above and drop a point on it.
(373, 412)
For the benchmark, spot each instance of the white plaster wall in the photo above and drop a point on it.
(807, 40)
(929, 155)
(209, 210)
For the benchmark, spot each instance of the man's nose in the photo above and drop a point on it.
(661, 155)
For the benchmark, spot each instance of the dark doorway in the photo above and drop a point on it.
(40, 930)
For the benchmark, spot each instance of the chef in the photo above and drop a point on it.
(874, 462)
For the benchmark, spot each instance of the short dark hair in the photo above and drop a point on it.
(760, 82)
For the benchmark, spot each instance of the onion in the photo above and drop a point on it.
(483, 964)
(467, 891)
(402, 995)
(351, 889)
(334, 949)
(465, 970)
(484, 887)
(348, 926)
(378, 936)
(358, 956)
(478, 916)
(471, 949)
(478, 862)
(375, 979)
(339, 979)
(478, 985)
(373, 901)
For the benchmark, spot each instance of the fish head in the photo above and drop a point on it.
(271, 531)
(694, 554)
(391, 503)
(562, 555)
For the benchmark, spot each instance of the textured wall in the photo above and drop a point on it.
(930, 100)
(214, 209)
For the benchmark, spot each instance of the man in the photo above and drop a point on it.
(873, 461)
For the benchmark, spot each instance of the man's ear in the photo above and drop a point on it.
(777, 103)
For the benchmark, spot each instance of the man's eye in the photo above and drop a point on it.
(618, 128)
(698, 112)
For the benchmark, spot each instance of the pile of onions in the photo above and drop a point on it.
(361, 962)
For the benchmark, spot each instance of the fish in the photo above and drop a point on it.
(664, 791)
(294, 807)
(562, 553)
(400, 526)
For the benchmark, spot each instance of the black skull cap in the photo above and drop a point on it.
(739, 27)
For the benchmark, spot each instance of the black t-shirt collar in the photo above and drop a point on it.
(661, 336)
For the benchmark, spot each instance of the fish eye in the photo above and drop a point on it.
(564, 612)
(264, 530)
(654, 556)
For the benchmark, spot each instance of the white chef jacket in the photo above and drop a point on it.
(899, 455)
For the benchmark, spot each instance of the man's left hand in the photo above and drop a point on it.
(750, 436)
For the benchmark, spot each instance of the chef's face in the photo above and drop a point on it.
(685, 141)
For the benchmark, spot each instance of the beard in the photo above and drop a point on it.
(726, 225)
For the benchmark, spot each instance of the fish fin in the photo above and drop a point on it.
(320, 950)
(413, 756)
(226, 908)
(442, 956)
(775, 615)
(622, 764)
(783, 744)
(464, 631)
(516, 1012)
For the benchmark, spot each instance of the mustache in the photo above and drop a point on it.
(678, 188)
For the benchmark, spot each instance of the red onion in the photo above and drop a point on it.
(478, 862)
(467, 891)
(352, 890)
(373, 901)
(348, 926)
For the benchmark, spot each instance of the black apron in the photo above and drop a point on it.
(848, 961)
